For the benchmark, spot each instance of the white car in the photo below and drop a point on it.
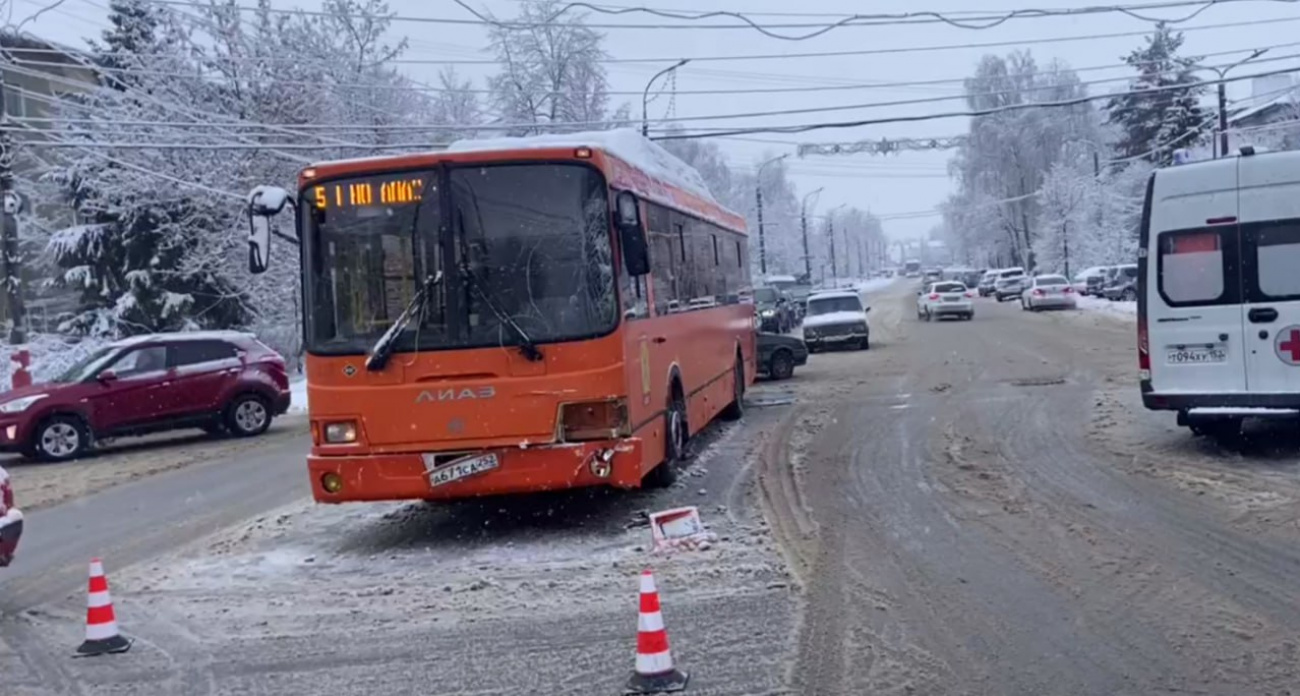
(1218, 291)
(836, 319)
(945, 299)
(1048, 292)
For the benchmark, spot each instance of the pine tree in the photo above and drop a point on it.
(1153, 125)
(134, 257)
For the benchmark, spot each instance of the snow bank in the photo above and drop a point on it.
(624, 143)
(298, 396)
(1101, 304)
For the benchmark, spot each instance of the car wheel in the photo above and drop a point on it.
(865, 344)
(248, 415)
(781, 365)
(676, 435)
(60, 438)
(736, 409)
(1130, 295)
(929, 316)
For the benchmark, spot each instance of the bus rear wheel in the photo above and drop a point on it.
(677, 432)
(736, 409)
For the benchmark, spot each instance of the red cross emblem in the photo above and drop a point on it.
(1288, 345)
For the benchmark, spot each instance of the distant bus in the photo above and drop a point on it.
(512, 316)
(912, 268)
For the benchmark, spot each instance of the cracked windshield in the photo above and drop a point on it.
(729, 347)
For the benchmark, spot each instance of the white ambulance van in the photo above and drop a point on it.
(1219, 291)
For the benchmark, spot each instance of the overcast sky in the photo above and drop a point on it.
(906, 183)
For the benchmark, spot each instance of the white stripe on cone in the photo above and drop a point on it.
(646, 623)
(102, 631)
(656, 663)
(96, 569)
(647, 583)
(98, 599)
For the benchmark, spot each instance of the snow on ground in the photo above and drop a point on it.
(298, 395)
(1101, 304)
(520, 595)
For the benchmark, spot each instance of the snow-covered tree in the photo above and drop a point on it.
(551, 70)
(1151, 121)
(455, 105)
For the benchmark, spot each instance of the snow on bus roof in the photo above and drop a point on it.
(624, 143)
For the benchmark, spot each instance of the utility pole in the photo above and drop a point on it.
(830, 234)
(803, 217)
(1223, 99)
(758, 194)
(645, 95)
(1223, 119)
(12, 267)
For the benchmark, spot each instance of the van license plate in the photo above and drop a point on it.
(462, 468)
(1192, 356)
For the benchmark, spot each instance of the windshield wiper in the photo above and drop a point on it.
(526, 345)
(383, 348)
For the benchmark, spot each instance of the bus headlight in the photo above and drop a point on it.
(341, 433)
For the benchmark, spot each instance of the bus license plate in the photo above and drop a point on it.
(462, 468)
(1192, 356)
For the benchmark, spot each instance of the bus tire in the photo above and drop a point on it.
(677, 431)
(736, 409)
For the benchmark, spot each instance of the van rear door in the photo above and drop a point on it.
(1270, 232)
(1194, 316)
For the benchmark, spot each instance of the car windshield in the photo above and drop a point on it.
(527, 242)
(765, 295)
(1051, 280)
(88, 366)
(949, 287)
(828, 305)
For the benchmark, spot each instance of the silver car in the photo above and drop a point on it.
(1048, 292)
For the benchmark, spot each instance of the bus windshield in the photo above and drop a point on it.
(525, 242)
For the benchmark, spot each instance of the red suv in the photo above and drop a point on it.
(11, 521)
(218, 381)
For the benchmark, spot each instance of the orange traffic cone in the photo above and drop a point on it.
(654, 672)
(102, 637)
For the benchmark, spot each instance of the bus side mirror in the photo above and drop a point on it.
(259, 242)
(264, 203)
(631, 234)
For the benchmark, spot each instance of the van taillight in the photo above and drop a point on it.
(593, 420)
(1144, 349)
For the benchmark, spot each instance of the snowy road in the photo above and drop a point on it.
(967, 508)
(473, 598)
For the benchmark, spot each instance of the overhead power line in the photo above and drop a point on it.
(814, 110)
(779, 56)
(713, 133)
(987, 21)
(420, 88)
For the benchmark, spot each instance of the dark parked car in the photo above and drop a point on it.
(778, 355)
(776, 313)
(1124, 286)
(218, 381)
(11, 521)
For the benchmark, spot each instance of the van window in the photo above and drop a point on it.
(1277, 258)
(1194, 267)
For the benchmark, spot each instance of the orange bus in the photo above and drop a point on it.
(509, 316)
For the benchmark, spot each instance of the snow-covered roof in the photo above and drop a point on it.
(183, 336)
(624, 143)
(1287, 97)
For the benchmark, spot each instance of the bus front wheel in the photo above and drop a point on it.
(677, 432)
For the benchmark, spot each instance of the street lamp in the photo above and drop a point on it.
(645, 96)
(830, 234)
(758, 189)
(803, 217)
(1223, 98)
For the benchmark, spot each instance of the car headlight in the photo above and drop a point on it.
(21, 404)
(768, 313)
